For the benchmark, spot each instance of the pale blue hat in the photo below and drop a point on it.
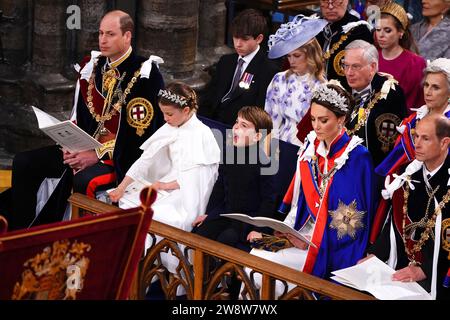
(294, 34)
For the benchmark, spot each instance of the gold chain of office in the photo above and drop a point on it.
(107, 114)
(429, 225)
(323, 176)
(362, 120)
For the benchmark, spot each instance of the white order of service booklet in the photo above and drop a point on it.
(131, 196)
(375, 277)
(276, 225)
(65, 133)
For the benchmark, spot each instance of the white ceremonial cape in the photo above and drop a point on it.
(188, 154)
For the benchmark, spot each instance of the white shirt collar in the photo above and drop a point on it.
(322, 150)
(248, 58)
(369, 88)
(431, 173)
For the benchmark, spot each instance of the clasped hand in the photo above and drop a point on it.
(79, 160)
(408, 274)
(296, 242)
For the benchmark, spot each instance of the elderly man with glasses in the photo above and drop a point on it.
(342, 29)
(380, 103)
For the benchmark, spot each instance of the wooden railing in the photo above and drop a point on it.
(201, 281)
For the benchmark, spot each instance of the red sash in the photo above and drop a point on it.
(320, 212)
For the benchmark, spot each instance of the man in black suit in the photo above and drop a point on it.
(241, 78)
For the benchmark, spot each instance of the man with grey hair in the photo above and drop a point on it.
(380, 104)
(342, 28)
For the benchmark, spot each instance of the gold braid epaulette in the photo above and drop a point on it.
(107, 148)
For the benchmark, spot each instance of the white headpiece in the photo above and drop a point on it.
(294, 34)
(324, 93)
(439, 65)
(181, 101)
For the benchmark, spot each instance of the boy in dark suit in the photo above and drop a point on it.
(241, 78)
(242, 185)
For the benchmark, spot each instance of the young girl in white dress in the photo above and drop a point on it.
(181, 158)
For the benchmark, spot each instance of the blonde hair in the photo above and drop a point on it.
(314, 59)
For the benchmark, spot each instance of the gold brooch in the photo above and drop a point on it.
(337, 63)
(385, 126)
(139, 114)
(347, 220)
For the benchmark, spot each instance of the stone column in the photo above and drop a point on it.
(92, 12)
(211, 37)
(15, 27)
(212, 23)
(169, 29)
(49, 36)
(14, 31)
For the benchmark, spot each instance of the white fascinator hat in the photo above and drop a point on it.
(294, 34)
(439, 65)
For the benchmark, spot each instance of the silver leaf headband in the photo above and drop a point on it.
(323, 93)
(181, 101)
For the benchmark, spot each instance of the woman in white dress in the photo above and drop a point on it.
(289, 94)
(181, 159)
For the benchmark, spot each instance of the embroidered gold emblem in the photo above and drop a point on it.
(139, 114)
(337, 63)
(56, 273)
(347, 220)
(385, 126)
(446, 236)
(109, 80)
